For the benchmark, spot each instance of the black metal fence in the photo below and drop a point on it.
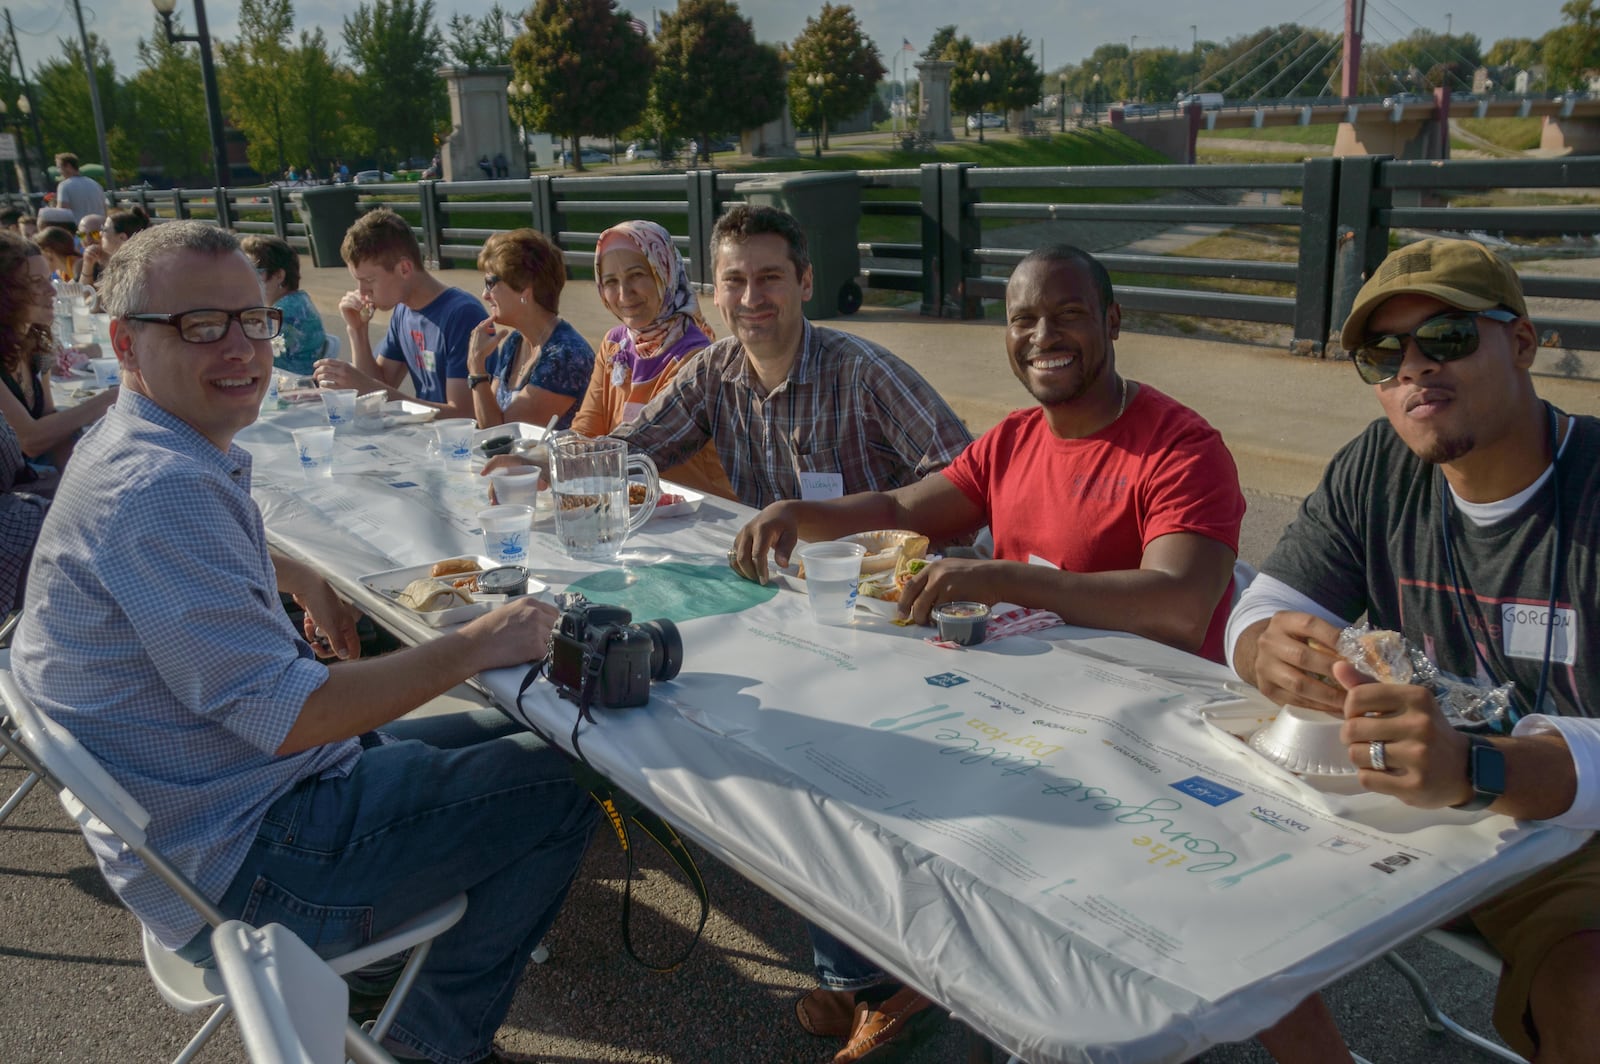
(930, 228)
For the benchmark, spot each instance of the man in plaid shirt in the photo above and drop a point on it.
(796, 411)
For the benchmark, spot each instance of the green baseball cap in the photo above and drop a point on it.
(1462, 273)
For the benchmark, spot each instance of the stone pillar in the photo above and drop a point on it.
(774, 140)
(480, 124)
(933, 82)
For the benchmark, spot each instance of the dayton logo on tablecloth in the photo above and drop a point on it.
(1208, 791)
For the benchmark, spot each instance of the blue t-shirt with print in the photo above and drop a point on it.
(564, 366)
(444, 328)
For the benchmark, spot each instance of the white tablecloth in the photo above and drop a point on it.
(1043, 834)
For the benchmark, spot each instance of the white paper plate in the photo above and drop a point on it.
(405, 412)
(391, 582)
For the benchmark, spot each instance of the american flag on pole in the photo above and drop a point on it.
(906, 45)
(638, 26)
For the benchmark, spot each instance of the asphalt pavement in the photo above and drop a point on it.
(73, 987)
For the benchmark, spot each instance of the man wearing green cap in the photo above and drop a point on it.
(1464, 519)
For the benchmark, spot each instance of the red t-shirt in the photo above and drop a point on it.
(1093, 505)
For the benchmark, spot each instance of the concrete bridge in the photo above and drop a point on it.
(1414, 129)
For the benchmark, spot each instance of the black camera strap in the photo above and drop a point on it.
(620, 807)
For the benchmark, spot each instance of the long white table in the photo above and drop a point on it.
(1050, 835)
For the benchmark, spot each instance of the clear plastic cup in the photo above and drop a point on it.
(369, 411)
(454, 436)
(315, 446)
(505, 532)
(516, 486)
(833, 572)
(340, 406)
(107, 373)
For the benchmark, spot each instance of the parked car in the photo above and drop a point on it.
(1399, 99)
(373, 177)
(587, 154)
(1139, 110)
(987, 120)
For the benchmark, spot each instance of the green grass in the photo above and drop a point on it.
(1230, 156)
(1516, 134)
(1323, 133)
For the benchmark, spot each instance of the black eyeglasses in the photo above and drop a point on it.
(490, 280)
(1444, 338)
(208, 326)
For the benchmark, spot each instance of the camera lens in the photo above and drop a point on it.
(666, 648)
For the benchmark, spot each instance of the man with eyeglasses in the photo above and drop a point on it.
(430, 329)
(1464, 519)
(155, 635)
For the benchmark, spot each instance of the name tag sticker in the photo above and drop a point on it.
(429, 362)
(819, 487)
(1524, 629)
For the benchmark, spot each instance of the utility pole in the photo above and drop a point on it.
(33, 111)
(94, 96)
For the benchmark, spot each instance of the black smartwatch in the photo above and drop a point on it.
(1486, 770)
(475, 379)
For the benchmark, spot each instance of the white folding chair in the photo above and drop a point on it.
(8, 741)
(1469, 946)
(330, 346)
(290, 1006)
(96, 801)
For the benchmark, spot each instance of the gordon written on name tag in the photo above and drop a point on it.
(1524, 628)
(819, 487)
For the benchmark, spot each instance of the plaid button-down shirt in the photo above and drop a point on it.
(154, 634)
(848, 407)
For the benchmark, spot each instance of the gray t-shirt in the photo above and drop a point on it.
(81, 195)
(1370, 540)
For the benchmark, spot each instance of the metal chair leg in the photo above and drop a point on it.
(1438, 1021)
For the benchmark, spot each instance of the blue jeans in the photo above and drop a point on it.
(839, 966)
(469, 803)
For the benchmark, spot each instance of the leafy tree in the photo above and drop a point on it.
(1517, 52)
(942, 38)
(173, 126)
(571, 56)
(965, 93)
(396, 51)
(1276, 61)
(254, 72)
(833, 46)
(1015, 82)
(1423, 61)
(1572, 50)
(324, 112)
(61, 92)
(481, 42)
(713, 76)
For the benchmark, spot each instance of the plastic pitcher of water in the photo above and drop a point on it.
(591, 486)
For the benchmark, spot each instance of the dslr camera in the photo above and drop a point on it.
(599, 657)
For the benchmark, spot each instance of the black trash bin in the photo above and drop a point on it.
(328, 211)
(828, 207)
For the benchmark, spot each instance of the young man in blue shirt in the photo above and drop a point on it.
(430, 330)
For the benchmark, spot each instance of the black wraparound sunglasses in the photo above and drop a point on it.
(1444, 338)
(207, 326)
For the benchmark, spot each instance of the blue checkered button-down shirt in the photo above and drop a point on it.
(154, 634)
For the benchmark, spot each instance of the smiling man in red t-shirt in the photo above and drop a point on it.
(1132, 497)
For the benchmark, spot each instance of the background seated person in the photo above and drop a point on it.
(526, 362)
(430, 328)
(1464, 520)
(28, 355)
(121, 224)
(643, 282)
(278, 266)
(60, 249)
(90, 228)
(1133, 497)
(24, 498)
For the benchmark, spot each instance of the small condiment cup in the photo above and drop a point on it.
(963, 623)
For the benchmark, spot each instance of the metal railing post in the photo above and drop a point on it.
(704, 210)
(280, 216)
(542, 206)
(1361, 240)
(960, 233)
(179, 209)
(931, 243)
(219, 196)
(428, 199)
(1314, 273)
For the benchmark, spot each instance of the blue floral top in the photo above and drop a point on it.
(303, 335)
(564, 365)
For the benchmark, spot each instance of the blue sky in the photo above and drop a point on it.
(1069, 31)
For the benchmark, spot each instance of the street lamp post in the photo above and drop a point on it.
(1063, 103)
(208, 75)
(816, 81)
(1095, 108)
(981, 80)
(521, 99)
(1128, 91)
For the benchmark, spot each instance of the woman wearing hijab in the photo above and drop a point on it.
(643, 282)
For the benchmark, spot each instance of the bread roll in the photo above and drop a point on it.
(452, 566)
